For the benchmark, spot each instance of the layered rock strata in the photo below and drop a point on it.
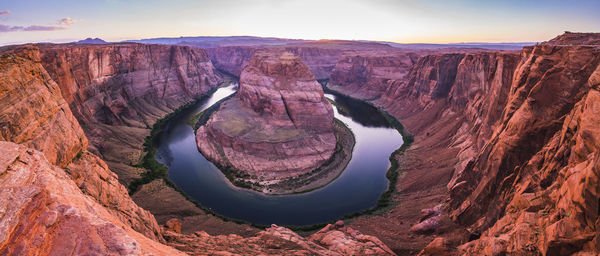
(37, 116)
(118, 91)
(333, 240)
(367, 74)
(32, 111)
(515, 150)
(320, 56)
(45, 213)
(278, 125)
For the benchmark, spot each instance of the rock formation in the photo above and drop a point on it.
(510, 136)
(117, 91)
(45, 213)
(278, 125)
(333, 240)
(366, 74)
(33, 111)
(507, 142)
(534, 188)
(320, 56)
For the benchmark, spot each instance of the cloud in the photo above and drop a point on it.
(67, 21)
(62, 24)
(6, 28)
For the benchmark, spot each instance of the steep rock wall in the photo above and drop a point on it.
(367, 74)
(32, 110)
(118, 91)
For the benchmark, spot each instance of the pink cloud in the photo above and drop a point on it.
(67, 21)
(4, 12)
(6, 28)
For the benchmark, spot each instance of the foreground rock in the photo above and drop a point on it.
(278, 125)
(332, 240)
(45, 213)
(32, 110)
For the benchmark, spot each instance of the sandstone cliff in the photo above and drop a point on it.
(366, 74)
(32, 110)
(37, 116)
(117, 91)
(320, 56)
(512, 139)
(45, 213)
(278, 125)
(536, 180)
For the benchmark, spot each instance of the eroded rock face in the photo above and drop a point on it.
(113, 84)
(367, 74)
(45, 213)
(320, 56)
(32, 110)
(525, 167)
(278, 125)
(38, 117)
(539, 171)
(332, 240)
(118, 91)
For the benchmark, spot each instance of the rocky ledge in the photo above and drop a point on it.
(278, 126)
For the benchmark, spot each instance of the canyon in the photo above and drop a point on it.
(504, 158)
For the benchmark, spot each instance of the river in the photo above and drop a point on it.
(356, 189)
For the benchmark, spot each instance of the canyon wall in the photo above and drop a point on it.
(36, 112)
(516, 140)
(33, 111)
(233, 59)
(536, 180)
(118, 91)
(320, 56)
(366, 74)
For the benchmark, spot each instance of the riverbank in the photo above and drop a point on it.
(393, 172)
(165, 204)
(422, 171)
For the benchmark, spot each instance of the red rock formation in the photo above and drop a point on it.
(32, 111)
(320, 56)
(37, 116)
(524, 151)
(539, 170)
(117, 91)
(332, 240)
(279, 124)
(366, 74)
(45, 213)
(116, 83)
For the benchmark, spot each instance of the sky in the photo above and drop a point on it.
(403, 21)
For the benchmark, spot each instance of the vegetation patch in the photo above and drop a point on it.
(392, 173)
(154, 169)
